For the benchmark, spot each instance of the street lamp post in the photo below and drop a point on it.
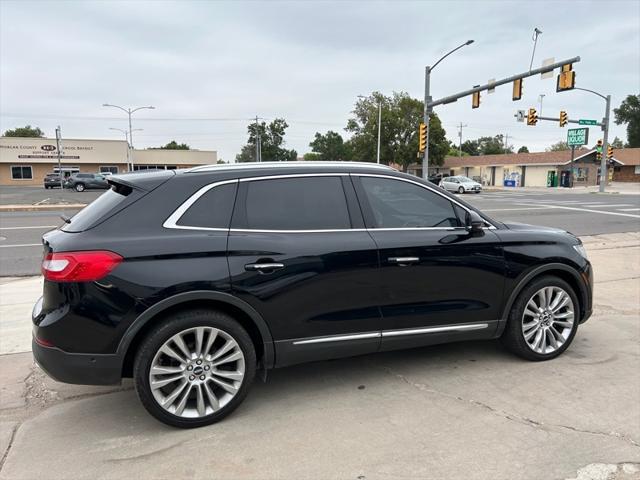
(129, 111)
(427, 107)
(126, 139)
(605, 136)
(379, 126)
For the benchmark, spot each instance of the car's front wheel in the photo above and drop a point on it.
(195, 368)
(543, 320)
(460, 190)
(79, 187)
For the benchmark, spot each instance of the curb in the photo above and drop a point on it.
(35, 208)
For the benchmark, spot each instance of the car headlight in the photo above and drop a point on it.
(581, 250)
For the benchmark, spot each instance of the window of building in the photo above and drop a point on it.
(211, 210)
(109, 169)
(636, 170)
(583, 173)
(21, 172)
(297, 203)
(171, 167)
(399, 204)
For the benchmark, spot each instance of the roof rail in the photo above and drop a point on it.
(252, 165)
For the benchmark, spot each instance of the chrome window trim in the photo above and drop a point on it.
(431, 189)
(171, 221)
(392, 333)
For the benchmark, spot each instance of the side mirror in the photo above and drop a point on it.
(473, 222)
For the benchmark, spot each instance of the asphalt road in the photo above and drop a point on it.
(579, 213)
(12, 195)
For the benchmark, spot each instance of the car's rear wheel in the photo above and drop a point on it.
(460, 189)
(79, 187)
(195, 368)
(543, 320)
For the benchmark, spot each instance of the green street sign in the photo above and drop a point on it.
(583, 121)
(576, 137)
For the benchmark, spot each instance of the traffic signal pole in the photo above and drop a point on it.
(605, 138)
(425, 120)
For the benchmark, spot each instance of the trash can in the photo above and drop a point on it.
(552, 178)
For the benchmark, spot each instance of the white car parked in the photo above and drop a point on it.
(460, 184)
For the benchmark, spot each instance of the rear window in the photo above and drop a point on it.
(84, 175)
(89, 215)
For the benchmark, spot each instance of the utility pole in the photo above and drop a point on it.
(506, 143)
(460, 127)
(379, 125)
(540, 99)
(257, 141)
(58, 146)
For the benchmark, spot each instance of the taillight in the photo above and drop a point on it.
(79, 266)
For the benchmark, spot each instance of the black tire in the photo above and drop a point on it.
(460, 190)
(173, 325)
(79, 187)
(513, 336)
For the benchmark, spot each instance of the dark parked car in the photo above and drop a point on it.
(51, 180)
(84, 181)
(191, 281)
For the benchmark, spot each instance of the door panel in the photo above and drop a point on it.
(439, 281)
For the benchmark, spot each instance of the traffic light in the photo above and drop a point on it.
(422, 138)
(599, 150)
(566, 79)
(532, 117)
(517, 90)
(475, 99)
(564, 118)
(609, 152)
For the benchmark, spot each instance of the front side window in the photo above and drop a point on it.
(297, 203)
(21, 172)
(211, 210)
(400, 204)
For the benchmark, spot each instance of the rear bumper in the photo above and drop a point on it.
(78, 368)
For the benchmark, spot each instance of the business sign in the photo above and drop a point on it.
(576, 137)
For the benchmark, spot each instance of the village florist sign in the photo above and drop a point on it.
(576, 137)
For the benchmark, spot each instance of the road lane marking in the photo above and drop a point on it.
(35, 226)
(23, 245)
(629, 209)
(613, 205)
(588, 210)
(513, 209)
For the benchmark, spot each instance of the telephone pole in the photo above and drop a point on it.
(460, 127)
(506, 143)
(257, 140)
(58, 147)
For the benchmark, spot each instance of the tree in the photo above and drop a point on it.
(455, 151)
(558, 146)
(401, 117)
(493, 145)
(629, 112)
(617, 143)
(330, 146)
(471, 147)
(311, 156)
(173, 145)
(271, 143)
(27, 131)
(523, 149)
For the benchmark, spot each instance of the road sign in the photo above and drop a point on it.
(582, 121)
(520, 115)
(576, 137)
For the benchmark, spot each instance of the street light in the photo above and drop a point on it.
(129, 111)
(427, 109)
(126, 138)
(379, 126)
(605, 135)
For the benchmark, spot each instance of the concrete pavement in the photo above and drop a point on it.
(467, 410)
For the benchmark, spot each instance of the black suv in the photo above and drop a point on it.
(191, 281)
(84, 181)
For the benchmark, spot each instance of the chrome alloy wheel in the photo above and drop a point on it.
(548, 320)
(197, 372)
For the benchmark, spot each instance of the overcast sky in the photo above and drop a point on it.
(208, 67)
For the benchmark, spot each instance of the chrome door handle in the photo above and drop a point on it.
(403, 261)
(252, 267)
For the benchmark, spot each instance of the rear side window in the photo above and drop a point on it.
(211, 210)
(297, 203)
(399, 204)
